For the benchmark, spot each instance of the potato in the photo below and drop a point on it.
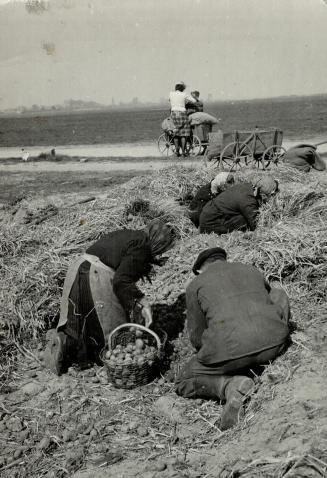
(142, 431)
(139, 344)
(138, 333)
(129, 348)
(108, 354)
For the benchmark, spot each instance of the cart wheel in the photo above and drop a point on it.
(166, 145)
(272, 155)
(257, 161)
(195, 147)
(235, 155)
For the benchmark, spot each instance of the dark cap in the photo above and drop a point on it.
(216, 253)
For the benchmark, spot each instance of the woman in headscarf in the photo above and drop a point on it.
(207, 192)
(100, 292)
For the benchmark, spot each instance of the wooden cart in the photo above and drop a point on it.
(258, 148)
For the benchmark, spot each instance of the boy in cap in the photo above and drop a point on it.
(235, 321)
(237, 208)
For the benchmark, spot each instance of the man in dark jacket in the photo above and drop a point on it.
(236, 321)
(237, 208)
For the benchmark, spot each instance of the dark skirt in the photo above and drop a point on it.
(90, 310)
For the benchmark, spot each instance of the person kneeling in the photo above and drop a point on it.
(235, 321)
(237, 208)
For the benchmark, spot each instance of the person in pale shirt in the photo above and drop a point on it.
(178, 100)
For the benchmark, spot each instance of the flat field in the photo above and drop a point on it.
(80, 426)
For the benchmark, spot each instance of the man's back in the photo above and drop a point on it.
(237, 314)
(236, 202)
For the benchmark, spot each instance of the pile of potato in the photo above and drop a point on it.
(125, 362)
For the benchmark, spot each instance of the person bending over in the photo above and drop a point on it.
(207, 192)
(100, 292)
(237, 208)
(235, 321)
(304, 157)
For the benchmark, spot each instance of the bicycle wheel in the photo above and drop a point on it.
(272, 155)
(166, 145)
(235, 155)
(194, 146)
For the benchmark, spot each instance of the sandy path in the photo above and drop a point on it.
(105, 166)
(121, 150)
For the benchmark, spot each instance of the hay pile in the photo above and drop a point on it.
(289, 245)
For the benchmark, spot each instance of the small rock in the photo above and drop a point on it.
(142, 431)
(31, 388)
(95, 379)
(66, 435)
(88, 430)
(44, 443)
(32, 374)
(159, 466)
(18, 453)
(23, 435)
(169, 408)
(15, 424)
(133, 426)
(93, 433)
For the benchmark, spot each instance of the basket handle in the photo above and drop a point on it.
(145, 329)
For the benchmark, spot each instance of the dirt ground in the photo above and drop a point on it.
(80, 426)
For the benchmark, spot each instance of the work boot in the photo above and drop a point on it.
(235, 392)
(55, 351)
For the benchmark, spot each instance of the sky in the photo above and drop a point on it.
(103, 49)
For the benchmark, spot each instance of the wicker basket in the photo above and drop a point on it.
(141, 372)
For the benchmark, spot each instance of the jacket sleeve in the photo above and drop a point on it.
(196, 323)
(249, 210)
(132, 267)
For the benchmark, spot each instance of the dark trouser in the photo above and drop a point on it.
(237, 223)
(194, 216)
(197, 380)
